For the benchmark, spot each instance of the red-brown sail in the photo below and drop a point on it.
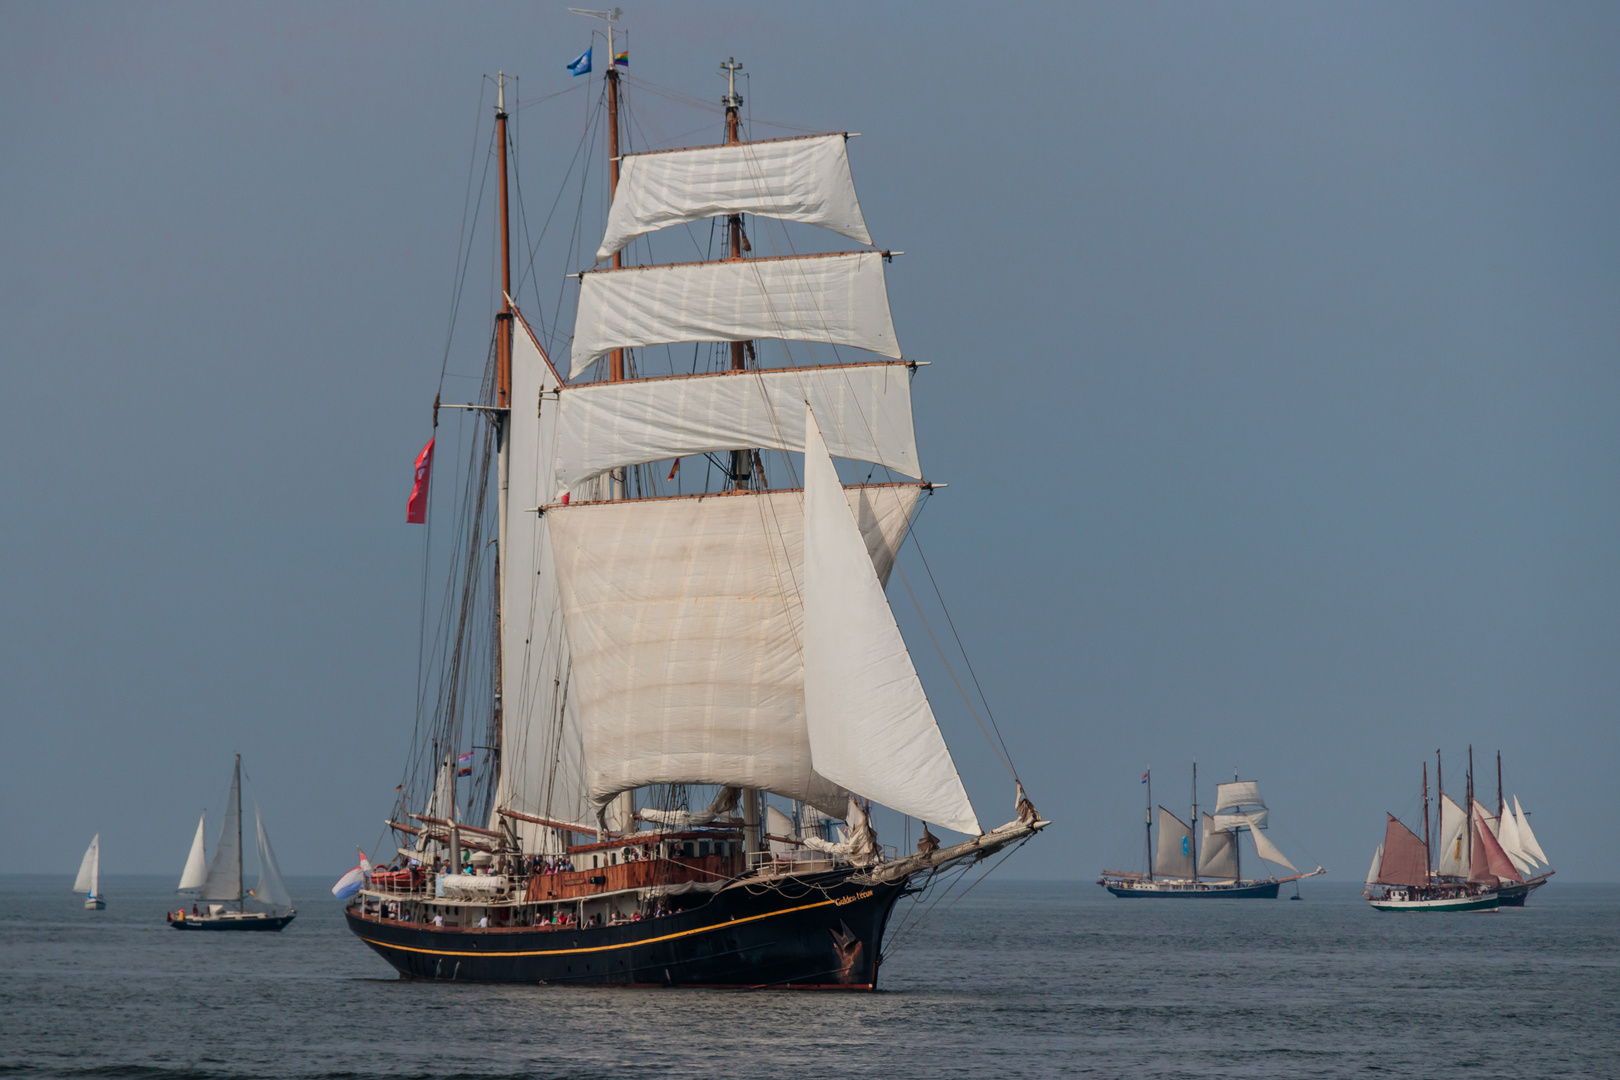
(1496, 860)
(1406, 860)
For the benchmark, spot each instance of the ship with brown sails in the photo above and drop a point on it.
(665, 771)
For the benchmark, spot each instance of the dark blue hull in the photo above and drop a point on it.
(1248, 890)
(821, 931)
(259, 923)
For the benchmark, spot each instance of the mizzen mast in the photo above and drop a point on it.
(503, 416)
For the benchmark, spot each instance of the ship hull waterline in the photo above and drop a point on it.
(817, 932)
(1257, 890)
(1514, 895)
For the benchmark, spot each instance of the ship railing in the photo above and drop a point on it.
(805, 861)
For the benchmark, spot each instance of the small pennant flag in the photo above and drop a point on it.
(464, 764)
(623, 59)
(673, 469)
(581, 64)
(416, 509)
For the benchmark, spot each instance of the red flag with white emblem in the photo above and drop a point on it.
(416, 509)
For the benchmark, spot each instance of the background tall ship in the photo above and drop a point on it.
(1482, 861)
(627, 677)
(1207, 865)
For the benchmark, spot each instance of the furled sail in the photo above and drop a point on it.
(803, 179)
(1268, 851)
(224, 881)
(442, 802)
(196, 871)
(89, 879)
(1175, 855)
(723, 804)
(684, 618)
(864, 410)
(1377, 864)
(836, 299)
(1452, 855)
(542, 767)
(870, 725)
(271, 889)
(1238, 793)
(1406, 860)
(1217, 857)
(1527, 838)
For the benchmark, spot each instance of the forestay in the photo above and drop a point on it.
(871, 728)
(1217, 857)
(684, 618)
(803, 179)
(1175, 856)
(865, 411)
(542, 757)
(832, 299)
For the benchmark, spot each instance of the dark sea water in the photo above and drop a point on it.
(1013, 980)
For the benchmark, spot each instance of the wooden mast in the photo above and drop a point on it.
(1439, 807)
(1148, 777)
(1468, 816)
(616, 357)
(1193, 825)
(1427, 861)
(503, 417)
(241, 899)
(741, 460)
(1500, 805)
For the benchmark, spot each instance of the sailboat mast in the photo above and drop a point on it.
(1500, 805)
(238, 786)
(1468, 817)
(1195, 820)
(616, 357)
(1428, 863)
(741, 460)
(1148, 776)
(503, 418)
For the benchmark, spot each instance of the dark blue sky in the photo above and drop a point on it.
(1274, 379)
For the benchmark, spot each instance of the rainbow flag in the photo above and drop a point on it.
(623, 59)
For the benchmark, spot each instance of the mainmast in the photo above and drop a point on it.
(1428, 863)
(1500, 805)
(1468, 817)
(1148, 777)
(1194, 829)
(503, 403)
(240, 899)
(741, 460)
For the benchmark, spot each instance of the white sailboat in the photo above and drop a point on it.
(221, 884)
(89, 879)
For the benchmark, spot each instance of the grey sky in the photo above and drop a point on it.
(1274, 379)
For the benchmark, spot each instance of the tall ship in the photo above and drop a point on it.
(655, 722)
(1506, 856)
(218, 885)
(1403, 876)
(1207, 864)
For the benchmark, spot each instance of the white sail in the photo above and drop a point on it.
(1377, 864)
(836, 299)
(224, 881)
(864, 410)
(1233, 819)
(871, 728)
(1487, 817)
(779, 824)
(1174, 857)
(1527, 838)
(804, 179)
(89, 879)
(1217, 855)
(1238, 793)
(1268, 851)
(542, 770)
(1451, 857)
(684, 620)
(196, 870)
(1508, 835)
(271, 889)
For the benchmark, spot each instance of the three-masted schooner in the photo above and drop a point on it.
(1207, 866)
(649, 645)
(219, 884)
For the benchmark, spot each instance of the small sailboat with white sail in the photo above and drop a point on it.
(220, 884)
(89, 879)
(1208, 866)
